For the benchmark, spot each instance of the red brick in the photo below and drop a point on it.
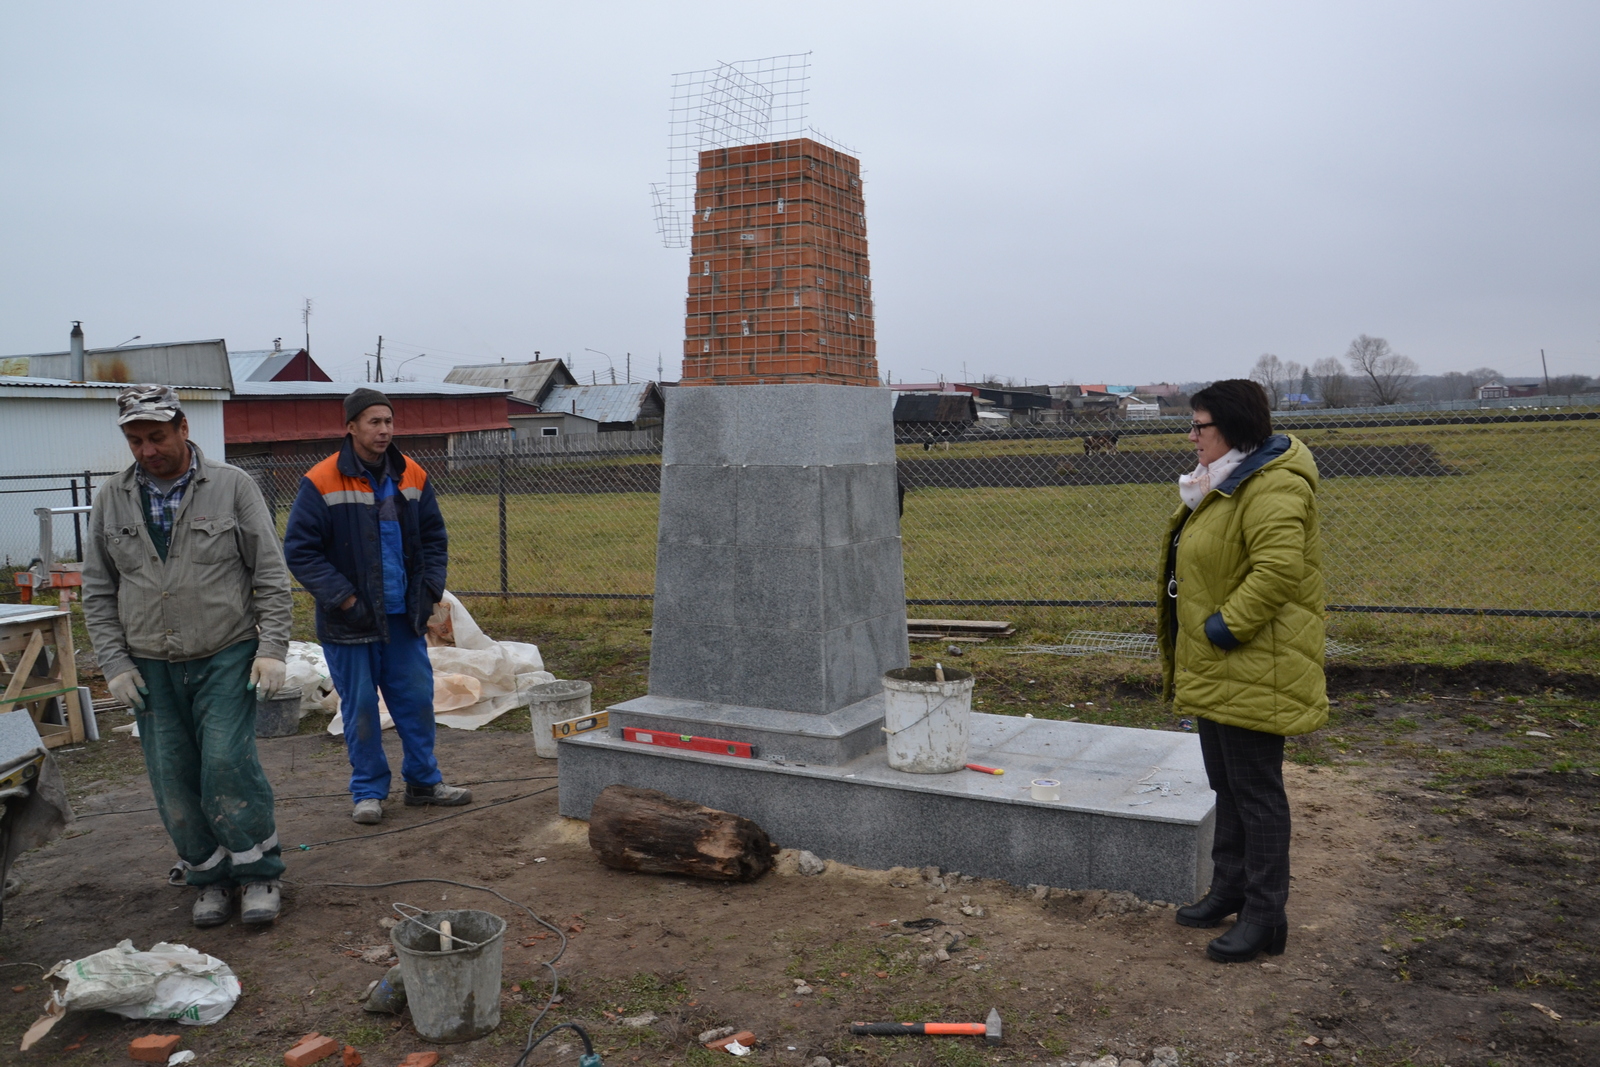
(153, 1048)
(313, 1048)
(352, 1058)
(744, 1037)
(420, 1059)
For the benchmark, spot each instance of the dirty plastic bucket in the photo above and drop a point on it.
(455, 995)
(551, 702)
(280, 716)
(926, 722)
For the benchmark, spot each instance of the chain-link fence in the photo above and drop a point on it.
(1428, 512)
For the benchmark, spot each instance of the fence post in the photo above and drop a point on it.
(77, 528)
(504, 577)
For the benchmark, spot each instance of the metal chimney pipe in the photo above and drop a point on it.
(78, 374)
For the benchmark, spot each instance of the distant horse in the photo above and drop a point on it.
(1099, 442)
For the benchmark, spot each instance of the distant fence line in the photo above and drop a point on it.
(1434, 510)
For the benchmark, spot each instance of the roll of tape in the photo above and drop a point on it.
(1045, 789)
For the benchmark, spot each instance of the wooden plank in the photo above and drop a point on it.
(67, 673)
(19, 677)
(959, 625)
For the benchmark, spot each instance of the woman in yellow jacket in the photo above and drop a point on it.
(1241, 636)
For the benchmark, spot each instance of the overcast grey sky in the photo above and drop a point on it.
(1120, 191)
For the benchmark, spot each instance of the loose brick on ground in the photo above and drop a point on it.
(153, 1048)
(310, 1049)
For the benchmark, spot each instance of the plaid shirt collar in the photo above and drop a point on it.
(164, 506)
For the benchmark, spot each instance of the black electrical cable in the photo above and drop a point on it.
(419, 825)
(555, 979)
(320, 796)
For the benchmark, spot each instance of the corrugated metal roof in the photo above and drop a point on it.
(602, 403)
(199, 364)
(342, 389)
(19, 385)
(260, 365)
(528, 381)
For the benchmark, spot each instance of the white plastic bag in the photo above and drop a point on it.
(307, 668)
(170, 982)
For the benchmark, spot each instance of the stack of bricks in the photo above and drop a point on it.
(779, 285)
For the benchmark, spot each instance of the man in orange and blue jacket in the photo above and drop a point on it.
(366, 539)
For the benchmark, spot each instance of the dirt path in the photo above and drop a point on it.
(1392, 957)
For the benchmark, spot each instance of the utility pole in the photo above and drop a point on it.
(629, 366)
(1543, 363)
(658, 365)
(305, 317)
(369, 370)
(380, 357)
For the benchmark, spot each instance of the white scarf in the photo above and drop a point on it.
(1194, 486)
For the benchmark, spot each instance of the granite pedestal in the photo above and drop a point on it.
(780, 603)
(1134, 814)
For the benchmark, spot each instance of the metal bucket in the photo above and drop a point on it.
(925, 721)
(551, 702)
(454, 995)
(280, 716)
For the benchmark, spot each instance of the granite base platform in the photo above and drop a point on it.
(1135, 812)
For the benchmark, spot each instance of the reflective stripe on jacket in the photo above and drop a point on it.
(335, 548)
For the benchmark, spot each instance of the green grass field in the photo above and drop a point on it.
(1518, 528)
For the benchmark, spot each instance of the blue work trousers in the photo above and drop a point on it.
(401, 669)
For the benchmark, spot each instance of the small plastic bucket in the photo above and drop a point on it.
(926, 721)
(455, 995)
(280, 716)
(552, 702)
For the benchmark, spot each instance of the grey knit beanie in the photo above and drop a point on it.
(361, 400)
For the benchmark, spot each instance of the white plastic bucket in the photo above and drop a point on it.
(454, 995)
(552, 702)
(925, 721)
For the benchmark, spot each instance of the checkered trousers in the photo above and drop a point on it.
(1250, 853)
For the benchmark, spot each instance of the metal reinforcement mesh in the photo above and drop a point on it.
(1436, 512)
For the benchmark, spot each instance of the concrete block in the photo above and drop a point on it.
(691, 661)
(855, 656)
(778, 425)
(699, 425)
(699, 505)
(777, 588)
(153, 1048)
(780, 506)
(860, 502)
(313, 1048)
(778, 735)
(1135, 812)
(697, 583)
(862, 581)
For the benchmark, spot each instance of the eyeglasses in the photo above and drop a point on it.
(1196, 427)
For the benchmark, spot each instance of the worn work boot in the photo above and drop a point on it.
(213, 906)
(448, 796)
(368, 812)
(1209, 910)
(261, 902)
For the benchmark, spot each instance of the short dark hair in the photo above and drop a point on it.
(1240, 410)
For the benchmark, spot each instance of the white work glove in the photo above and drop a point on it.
(128, 687)
(266, 677)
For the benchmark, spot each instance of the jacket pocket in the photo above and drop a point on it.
(212, 540)
(126, 548)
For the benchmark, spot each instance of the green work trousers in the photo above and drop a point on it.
(198, 731)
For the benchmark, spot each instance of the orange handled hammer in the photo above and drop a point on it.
(989, 1031)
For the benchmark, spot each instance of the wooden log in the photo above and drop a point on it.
(647, 830)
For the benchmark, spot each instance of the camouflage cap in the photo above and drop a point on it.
(147, 403)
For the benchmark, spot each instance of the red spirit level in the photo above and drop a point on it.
(689, 741)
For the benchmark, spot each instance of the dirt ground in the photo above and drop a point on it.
(1434, 911)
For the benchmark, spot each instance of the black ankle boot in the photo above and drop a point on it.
(1248, 940)
(1209, 910)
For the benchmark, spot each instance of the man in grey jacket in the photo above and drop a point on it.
(186, 598)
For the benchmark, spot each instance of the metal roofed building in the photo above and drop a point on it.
(529, 381)
(300, 418)
(276, 365)
(569, 409)
(54, 432)
(196, 364)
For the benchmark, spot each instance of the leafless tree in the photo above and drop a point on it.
(1275, 376)
(1333, 384)
(1484, 375)
(1568, 384)
(1387, 373)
